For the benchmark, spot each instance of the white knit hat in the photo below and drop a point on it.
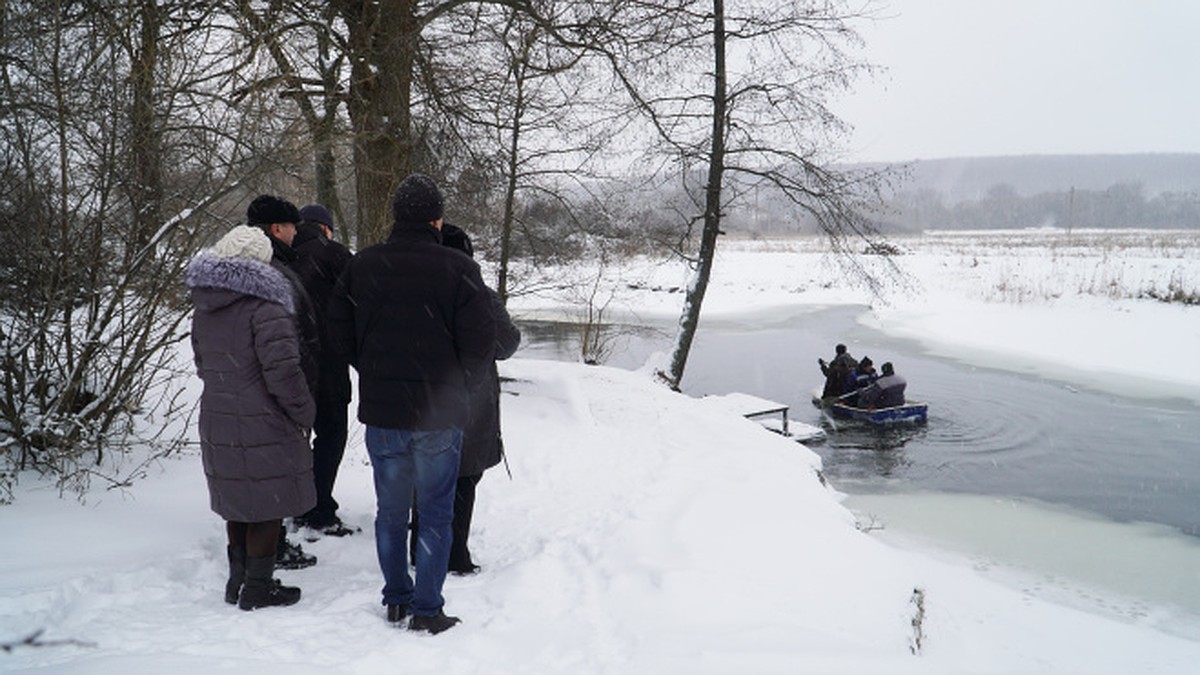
(244, 241)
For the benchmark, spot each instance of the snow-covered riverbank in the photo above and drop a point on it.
(1076, 305)
(642, 532)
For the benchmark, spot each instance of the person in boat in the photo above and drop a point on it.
(859, 379)
(886, 392)
(837, 372)
(862, 376)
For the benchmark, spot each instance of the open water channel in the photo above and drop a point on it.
(1086, 497)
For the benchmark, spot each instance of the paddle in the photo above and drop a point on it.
(830, 400)
(829, 418)
(834, 399)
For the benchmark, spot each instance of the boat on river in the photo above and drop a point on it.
(912, 412)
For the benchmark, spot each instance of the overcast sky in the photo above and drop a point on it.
(1017, 77)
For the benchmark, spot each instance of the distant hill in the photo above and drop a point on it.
(1148, 191)
(971, 178)
(1087, 191)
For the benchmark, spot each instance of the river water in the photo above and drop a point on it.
(1083, 496)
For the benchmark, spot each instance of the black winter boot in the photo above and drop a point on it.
(396, 613)
(261, 590)
(237, 573)
(433, 624)
(289, 556)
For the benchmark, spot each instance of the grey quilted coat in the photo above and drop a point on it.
(256, 407)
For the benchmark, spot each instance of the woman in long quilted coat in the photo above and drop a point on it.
(256, 408)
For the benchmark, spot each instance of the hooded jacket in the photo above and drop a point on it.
(256, 406)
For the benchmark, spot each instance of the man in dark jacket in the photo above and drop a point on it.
(319, 263)
(277, 218)
(886, 392)
(860, 378)
(413, 317)
(837, 372)
(483, 446)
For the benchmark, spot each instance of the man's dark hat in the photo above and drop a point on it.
(418, 200)
(315, 213)
(269, 209)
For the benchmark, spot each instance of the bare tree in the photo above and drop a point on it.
(524, 100)
(402, 94)
(738, 102)
(114, 143)
(308, 54)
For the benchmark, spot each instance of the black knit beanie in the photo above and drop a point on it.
(269, 209)
(418, 200)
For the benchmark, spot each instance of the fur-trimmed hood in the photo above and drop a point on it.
(238, 276)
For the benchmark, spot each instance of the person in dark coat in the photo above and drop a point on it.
(837, 372)
(483, 446)
(255, 410)
(319, 262)
(414, 319)
(860, 378)
(278, 219)
(886, 392)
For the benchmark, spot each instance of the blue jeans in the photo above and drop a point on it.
(404, 462)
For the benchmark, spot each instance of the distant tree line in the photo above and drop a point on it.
(1123, 205)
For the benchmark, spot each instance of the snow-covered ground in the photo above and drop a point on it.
(1074, 305)
(643, 531)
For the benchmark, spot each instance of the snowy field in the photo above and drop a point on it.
(644, 531)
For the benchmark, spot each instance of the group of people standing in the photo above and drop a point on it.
(857, 383)
(281, 313)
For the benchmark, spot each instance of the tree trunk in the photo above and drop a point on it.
(325, 168)
(146, 146)
(510, 190)
(324, 132)
(383, 41)
(689, 322)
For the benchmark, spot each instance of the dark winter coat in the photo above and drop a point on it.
(414, 319)
(483, 446)
(837, 375)
(319, 263)
(284, 259)
(256, 406)
(886, 392)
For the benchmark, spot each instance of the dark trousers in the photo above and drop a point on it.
(460, 527)
(259, 539)
(329, 445)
